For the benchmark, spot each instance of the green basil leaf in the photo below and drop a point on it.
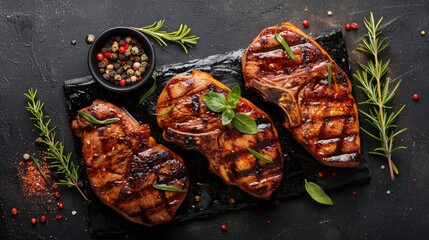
(151, 89)
(94, 120)
(329, 75)
(165, 187)
(233, 97)
(317, 193)
(284, 44)
(165, 112)
(245, 124)
(227, 116)
(215, 101)
(259, 156)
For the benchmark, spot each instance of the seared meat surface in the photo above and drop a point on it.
(124, 162)
(322, 119)
(193, 126)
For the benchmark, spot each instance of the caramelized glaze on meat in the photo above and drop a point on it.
(193, 126)
(323, 119)
(123, 162)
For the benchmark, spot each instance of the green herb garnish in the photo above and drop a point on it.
(217, 102)
(94, 120)
(59, 160)
(165, 112)
(165, 187)
(180, 36)
(259, 156)
(371, 79)
(36, 162)
(245, 124)
(284, 44)
(329, 75)
(151, 89)
(317, 193)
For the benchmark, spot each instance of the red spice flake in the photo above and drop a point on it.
(268, 221)
(414, 180)
(58, 217)
(334, 174)
(231, 201)
(354, 193)
(224, 228)
(33, 182)
(320, 175)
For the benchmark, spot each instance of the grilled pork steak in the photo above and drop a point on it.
(124, 162)
(322, 118)
(193, 126)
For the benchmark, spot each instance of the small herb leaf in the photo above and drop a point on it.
(36, 162)
(215, 101)
(245, 124)
(284, 44)
(165, 187)
(329, 75)
(151, 89)
(395, 169)
(317, 193)
(94, 120)
(233, 97)
(227, 116)
(259, 156)
(165, 112)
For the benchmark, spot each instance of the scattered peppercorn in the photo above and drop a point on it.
(415, 97)
(305, 9)
(57, 195)
(197, 198)
(43, 219)
(33, 221)
(26, 156)
(423, 33)
(224, 228)
(329, 13)
(354, 193)
(73, 42)
(348, 27)
(60, 205)
(268, 221)
(123, 82)
(58, 217)
(231, 201)
(14, 211)
(320, 175)
(90, 39)
(305, 23)
(354, 26)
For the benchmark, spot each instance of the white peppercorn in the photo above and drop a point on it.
(130, 72)
(135, 50)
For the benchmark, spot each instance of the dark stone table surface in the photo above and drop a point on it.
(36, 51)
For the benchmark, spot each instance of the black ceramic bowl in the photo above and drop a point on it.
(99, 43)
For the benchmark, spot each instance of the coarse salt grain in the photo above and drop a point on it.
(388, 192)
(383, 167)
(74, 213)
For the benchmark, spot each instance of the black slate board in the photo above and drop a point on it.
(215, 195)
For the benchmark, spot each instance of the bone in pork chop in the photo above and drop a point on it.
(124, 162)
(193, 126)
(322, 118)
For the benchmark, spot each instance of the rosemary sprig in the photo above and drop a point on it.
(179, 36)
(59, 160)
(165, 187)
(375, 84)
(284, 44)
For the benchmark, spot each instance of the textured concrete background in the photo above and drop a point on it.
(36, 52)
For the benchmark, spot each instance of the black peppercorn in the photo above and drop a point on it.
(117, 38)
(106, 76)
(119, 71)
(116, 65)
(104, 50)
(102, 64)
(121, 42)
(102, 70)
(121, 56)
(114, 56)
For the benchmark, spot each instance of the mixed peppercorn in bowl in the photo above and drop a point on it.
(121, 59)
